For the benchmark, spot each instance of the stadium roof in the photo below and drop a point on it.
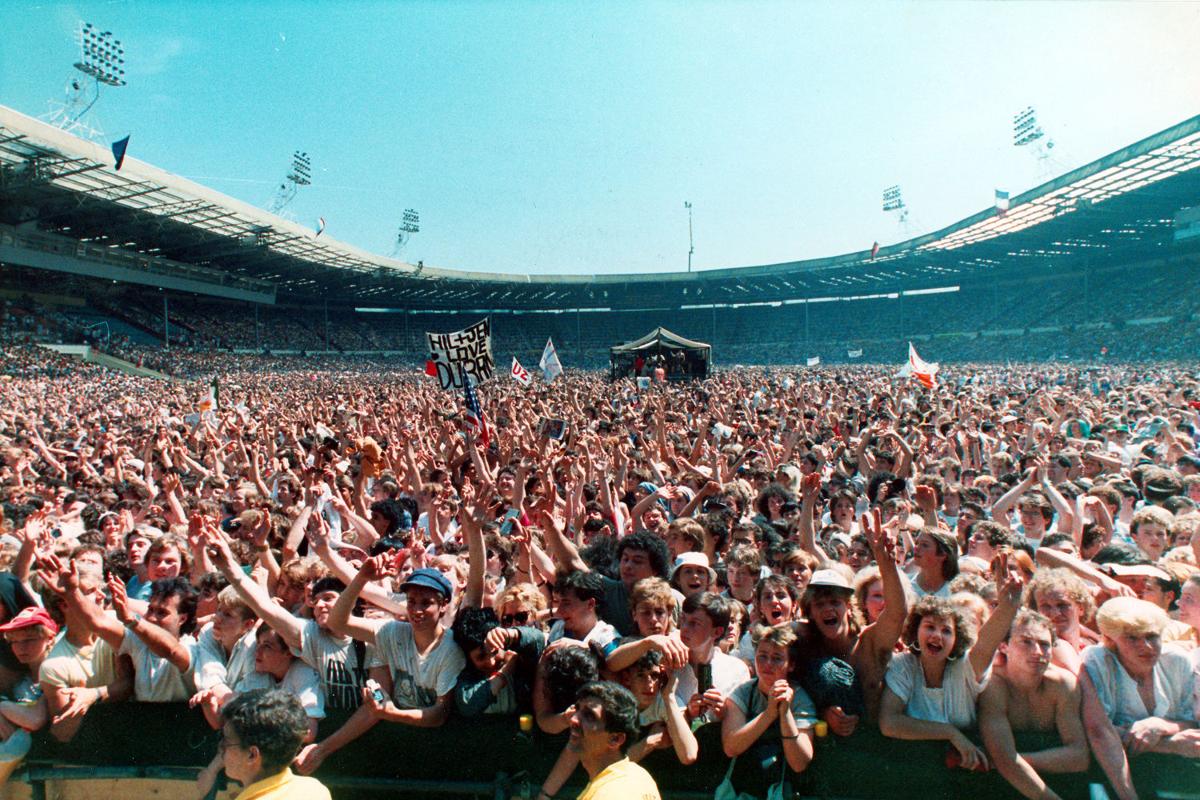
(1122, 206)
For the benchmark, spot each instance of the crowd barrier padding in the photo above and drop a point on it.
(490, 757)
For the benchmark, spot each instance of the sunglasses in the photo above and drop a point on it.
(519, 618)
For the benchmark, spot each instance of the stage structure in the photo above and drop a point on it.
(680, 358)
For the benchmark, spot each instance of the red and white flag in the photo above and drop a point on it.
(924, 371)
(519, 373)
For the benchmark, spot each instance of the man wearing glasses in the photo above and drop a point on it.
(263, 732)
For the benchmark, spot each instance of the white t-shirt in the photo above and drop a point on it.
(336, 661)
(602, 634)
(212, 667)
(418, 680)
(155, 679)
(1174, 682)
(728, 673)
(301, 681)
(952, 702)
(918, 592)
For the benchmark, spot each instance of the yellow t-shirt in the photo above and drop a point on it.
(622, 780)
(69, 666)
(285, 785)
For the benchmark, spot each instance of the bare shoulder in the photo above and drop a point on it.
(1060, 682)
(997, 688)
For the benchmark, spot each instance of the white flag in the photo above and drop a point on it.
(519, 373)
(208, 404)
(924, 371)
(814, 361)
(854, 353)
(551, 366)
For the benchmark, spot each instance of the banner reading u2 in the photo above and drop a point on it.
(461, 354)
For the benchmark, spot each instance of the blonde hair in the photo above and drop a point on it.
(302, 570)
(527, 594)
(652, 590)
(1065, 581)
(1128, 616)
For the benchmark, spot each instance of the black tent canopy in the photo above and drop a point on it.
(679, 357)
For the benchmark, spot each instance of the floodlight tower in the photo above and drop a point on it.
(410, 223)
(691, 242)
(893, 201)
(1026, 132)
(101, 61)
(299, 175)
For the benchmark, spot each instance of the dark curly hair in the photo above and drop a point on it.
(271, 720)
(565, 671)
(472, 627)
(653, 546)
(601, 555)
(762, 502)
(941, 608)
(618, 708)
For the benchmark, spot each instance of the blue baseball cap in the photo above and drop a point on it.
(429, 579)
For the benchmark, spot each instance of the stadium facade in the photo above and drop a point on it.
(1055, 265)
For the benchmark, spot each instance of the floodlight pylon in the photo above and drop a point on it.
(101, 61)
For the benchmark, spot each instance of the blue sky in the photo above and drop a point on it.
(566, 136)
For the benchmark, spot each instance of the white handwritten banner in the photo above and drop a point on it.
(462, 354)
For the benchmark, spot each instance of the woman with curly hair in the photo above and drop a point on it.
(931, 690)
(769, 504)
(521, 605)
(1064, 599)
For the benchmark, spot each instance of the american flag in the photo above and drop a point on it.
(475, 419)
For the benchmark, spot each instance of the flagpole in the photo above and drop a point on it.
(807, 349)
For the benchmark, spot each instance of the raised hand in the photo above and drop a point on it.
(881, 537)
(926, 499)
(55, 577)
(810, 487)
(120, 600)
(379, 566)
(1008, 576)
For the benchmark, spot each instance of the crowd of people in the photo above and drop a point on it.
(1133, 313)
(783, 555)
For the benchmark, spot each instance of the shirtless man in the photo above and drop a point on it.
(1032, 694)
